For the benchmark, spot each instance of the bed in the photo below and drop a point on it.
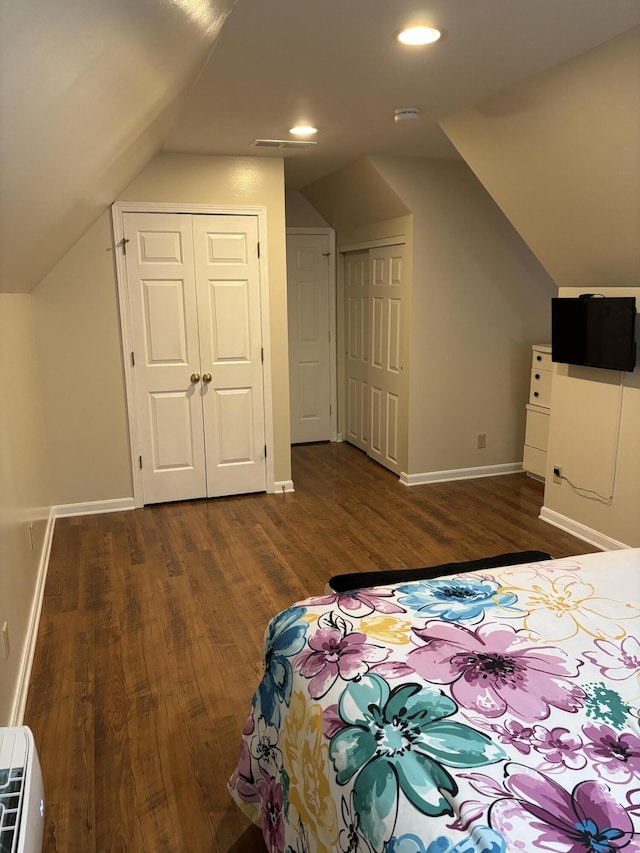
(486, 711)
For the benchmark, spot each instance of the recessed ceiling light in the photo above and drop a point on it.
(419, 35)
(303, 130)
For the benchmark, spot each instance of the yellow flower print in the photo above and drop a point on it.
(559, 608)
(386, 629)
(305, 758)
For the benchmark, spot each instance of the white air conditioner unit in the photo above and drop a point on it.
(21, 793)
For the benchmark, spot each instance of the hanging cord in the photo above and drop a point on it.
(590, 494)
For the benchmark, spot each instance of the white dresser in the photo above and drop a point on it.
(534, 459)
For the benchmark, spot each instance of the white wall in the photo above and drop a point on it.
(594, 436)
(300, 213)
(24, 493)
(480, 300)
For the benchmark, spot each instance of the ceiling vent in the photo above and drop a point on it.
(282, 143)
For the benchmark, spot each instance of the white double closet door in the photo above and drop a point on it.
(194, 301)
(374, 285)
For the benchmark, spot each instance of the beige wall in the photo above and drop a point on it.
(78, 334)
(300, 213)
(24, 493)
(560, 154)
(78, 327)
(480, 299)
(595, 434)
(353, 196)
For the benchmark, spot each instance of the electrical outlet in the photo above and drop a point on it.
(557, 474)
(5, 639)
(481, 440)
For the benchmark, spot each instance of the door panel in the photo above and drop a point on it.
(384, 374)
(228, 286)
(373, 329)
(309, 344)
(165, 331)
(357, 346)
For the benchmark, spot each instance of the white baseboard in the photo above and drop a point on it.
(460, 474)
(26, 663)
(281, 487)
(93, 507)
(587, 534)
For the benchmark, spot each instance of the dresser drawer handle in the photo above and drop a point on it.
(537, 376)
(535, 394)
(538, 358)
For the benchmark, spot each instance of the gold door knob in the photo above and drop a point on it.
(195, 377)
(207, 377)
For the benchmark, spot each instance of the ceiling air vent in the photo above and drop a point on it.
(282, 143)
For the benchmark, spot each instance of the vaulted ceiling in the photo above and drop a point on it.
(92, 89)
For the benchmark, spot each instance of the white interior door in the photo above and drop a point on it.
(164, 319)
(227, 277)
(386, 276)
(357, 343)
(196, 330)
(374, 291)
(309, 337)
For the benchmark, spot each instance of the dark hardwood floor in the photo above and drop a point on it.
(150, 640)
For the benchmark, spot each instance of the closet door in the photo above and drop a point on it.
(228, 285)
(194, 297)
(357, 344)
(164, 321)
(386, 270)
(374, 285)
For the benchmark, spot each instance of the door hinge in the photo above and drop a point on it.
(133, 360)
(140, 460)
(123, 243)
(258, 245)
(262, 354)
(265, 451)
(330, 409)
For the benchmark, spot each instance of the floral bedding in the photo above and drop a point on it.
(478, 713)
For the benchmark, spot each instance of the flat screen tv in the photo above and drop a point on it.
(594, 331)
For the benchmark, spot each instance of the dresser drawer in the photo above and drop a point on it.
(534, 460)
(542, 360)
(537, 430)
(540, 393)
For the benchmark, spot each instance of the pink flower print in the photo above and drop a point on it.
(360, 602)
(514, 734)
(335, 654)
(559, 747)
(496, 669)
(271, 815)
(615, 756)
(616, 661)
(542, 815)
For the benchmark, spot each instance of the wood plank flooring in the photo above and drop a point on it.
(150, 641)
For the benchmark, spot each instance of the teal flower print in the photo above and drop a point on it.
(285, 637)
(399, 740)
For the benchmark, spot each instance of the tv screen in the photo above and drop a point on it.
(594, 331)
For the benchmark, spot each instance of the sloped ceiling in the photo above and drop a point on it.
(88, 88)
(560, 154)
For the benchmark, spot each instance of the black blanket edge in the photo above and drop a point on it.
(365, 580)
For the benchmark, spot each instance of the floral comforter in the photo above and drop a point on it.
(478, 713)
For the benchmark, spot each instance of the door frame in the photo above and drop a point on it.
(118, 209)
(333, 372)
